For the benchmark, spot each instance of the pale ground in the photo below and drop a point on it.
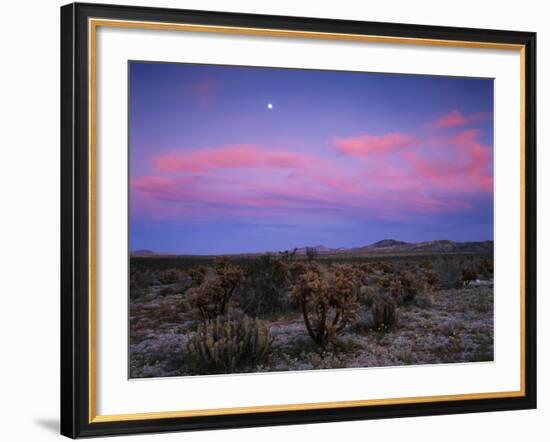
(457, 327)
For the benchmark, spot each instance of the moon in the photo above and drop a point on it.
(269, 106)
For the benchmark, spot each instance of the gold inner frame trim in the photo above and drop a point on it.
(93, 24)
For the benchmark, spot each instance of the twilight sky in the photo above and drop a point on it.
(228, 159)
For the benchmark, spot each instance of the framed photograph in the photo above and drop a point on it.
(274, 220)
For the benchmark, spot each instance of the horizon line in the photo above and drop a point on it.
(130, 252)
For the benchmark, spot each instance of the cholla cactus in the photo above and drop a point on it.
(225, 344)
(392, 285)
(469, 274)
(207, 300)
(363, 272)
(383, 266)
(266, 285)
(384, 312)
(211, 298)
(329, 302)
(409, 285)
(395, 289)
(295, 270)
(431, 279)
(367, 295)
(229, 277)
(168, 276)
(198, 274)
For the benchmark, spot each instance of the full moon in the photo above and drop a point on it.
(269, 106)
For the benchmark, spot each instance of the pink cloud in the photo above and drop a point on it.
(434, 163)
(232, 156)
(456, 118)
(465, 166)
(452, 119)
(307, 194)
(364, 145)
(389, 176)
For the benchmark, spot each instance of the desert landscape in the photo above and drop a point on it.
(287, 219)
(391, 303)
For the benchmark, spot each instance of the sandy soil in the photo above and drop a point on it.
(455, 326)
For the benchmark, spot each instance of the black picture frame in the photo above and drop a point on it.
(75, 220)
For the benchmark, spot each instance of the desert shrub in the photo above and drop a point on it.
(328, 301)
(229, 276)
(288, 256)
(367, 295)
(364, 268)
(409, 285)
(450, 272)
(384, 312)
(395, 289)
(385, 281)
(265, 286)
(311, 253)
(384, 267)
(484, 351)
(391, 285)
(365, 274)
(179, 303)
(168, 290)
(295, 270)
(167, 312)
(140, 281)
(197, 275)
(168, 276)
(211, 298)
(481, 301)
(486, 268)
(424, 285)
(454, 343)
(424, 300)
(426, 265)
(226, 344)
(431, 279)
(453, 328)
(469, 274)
(489, 266)
(451, 349)
(208, 300)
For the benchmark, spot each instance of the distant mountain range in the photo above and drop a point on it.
(394, 246)
(386, 246)
(143, 253)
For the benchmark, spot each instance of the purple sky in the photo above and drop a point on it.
(340, 159)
